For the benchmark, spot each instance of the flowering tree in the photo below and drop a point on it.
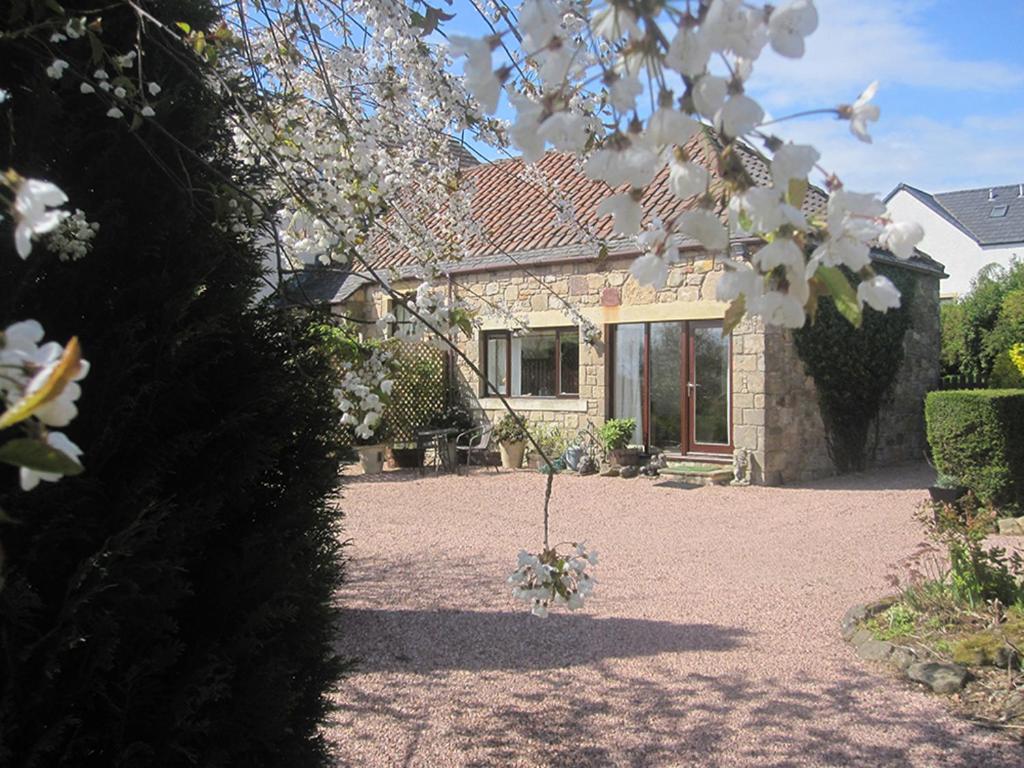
(357, 104)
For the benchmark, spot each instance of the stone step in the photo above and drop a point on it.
(706, 474)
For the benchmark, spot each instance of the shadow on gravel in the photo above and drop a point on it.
(425, 641)
(899, 477)
(617, 717)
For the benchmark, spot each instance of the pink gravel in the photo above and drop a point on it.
(712, 638)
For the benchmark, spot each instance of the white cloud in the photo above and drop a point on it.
(973, 151)
(885, 40)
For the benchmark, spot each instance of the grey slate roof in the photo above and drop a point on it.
(971, 211)
(322, 285)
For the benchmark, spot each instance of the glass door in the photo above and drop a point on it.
(708, 388)
(666, 413)
(674, 378)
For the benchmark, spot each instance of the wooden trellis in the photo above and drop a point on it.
(419, 391)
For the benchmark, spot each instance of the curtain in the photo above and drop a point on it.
(628, 376)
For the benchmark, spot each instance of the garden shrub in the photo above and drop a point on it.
(173, 605)
(1005, 372)
(854, 369)
(985, 322)
(978, 437)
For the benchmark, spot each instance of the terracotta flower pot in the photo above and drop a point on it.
(512, 454)
(371, 458)
(625, 457)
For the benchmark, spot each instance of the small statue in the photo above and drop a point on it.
(740, 467)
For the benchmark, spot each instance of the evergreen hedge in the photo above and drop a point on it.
(977, 436)
(173, 605)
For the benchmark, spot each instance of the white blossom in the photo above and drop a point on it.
(792, 161)
(623, 91)
(668, 127)
(86, 88)
(115, 113)
(635, 165)
(709, 95)
(789, 24)
(613, 21)
(739, 115)
(686, 179)
(878, 293)
(35, 211)
(625, 210)
(780, 252)
(154, 88)
(704, 227)
(862, 112)
(781, 309)
(30, 478)
(689, 52)
(901, 237)
(56, 69)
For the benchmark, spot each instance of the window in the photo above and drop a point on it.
(540, 364)
(999, 211)
(404, 326)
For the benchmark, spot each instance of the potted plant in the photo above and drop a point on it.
(616, 434)
(947, 489)
(552, 441)
(511, 436)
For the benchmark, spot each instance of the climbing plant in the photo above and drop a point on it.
(854, 369)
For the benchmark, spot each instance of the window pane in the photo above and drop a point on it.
(496, 353)
(405, 321)
(628, 376)
(711, 377)
(569, 342)
(537, 364)
(666, 370)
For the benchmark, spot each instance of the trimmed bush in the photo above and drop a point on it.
(978, 436)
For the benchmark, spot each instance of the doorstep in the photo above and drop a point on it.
(702, 473)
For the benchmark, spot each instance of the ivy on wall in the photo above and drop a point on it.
(854, 369)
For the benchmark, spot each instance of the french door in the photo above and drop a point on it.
(674, 378)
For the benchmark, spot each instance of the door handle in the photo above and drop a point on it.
(691, 385)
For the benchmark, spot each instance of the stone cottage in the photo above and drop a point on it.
(661, 357)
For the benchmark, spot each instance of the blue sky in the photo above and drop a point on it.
(951, 79)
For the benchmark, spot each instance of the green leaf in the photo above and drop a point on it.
(183, 27)
(797, 192)
(734, 314)
(842, 293)
(96, 47)
(37, 455)
(64, 372)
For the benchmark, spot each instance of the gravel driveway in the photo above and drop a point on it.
(712, 639)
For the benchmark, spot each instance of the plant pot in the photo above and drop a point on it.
(512, 454)
(407, 458)
(371, 458)
(625, 457)
(945, 495)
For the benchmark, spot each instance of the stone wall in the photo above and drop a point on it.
(775, 411)
(797, 449)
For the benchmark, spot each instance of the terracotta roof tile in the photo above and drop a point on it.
(517, 216)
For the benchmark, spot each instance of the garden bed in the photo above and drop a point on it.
(972, 656)
(957, 624)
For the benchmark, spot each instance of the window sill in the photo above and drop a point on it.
(547, 404)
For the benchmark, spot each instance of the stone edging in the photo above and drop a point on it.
(941, 677)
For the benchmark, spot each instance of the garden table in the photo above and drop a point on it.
(438, 439)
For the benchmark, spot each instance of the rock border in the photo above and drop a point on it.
(941, 677)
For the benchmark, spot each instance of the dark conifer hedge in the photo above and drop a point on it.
(172, 605)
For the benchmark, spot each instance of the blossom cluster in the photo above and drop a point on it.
(364, 390)
(436, 309)
(39, 389)
(694, 62)
(72, 238)
(551, 579)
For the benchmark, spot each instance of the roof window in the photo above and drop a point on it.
(999, 211)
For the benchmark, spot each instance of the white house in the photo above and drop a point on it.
(965, 230)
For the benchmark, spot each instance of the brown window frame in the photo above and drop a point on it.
(485, 387)
(393, 308)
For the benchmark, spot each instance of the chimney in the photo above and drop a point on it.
(1020, 190)
(991, 194)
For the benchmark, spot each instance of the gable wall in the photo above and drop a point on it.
(950, 246)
